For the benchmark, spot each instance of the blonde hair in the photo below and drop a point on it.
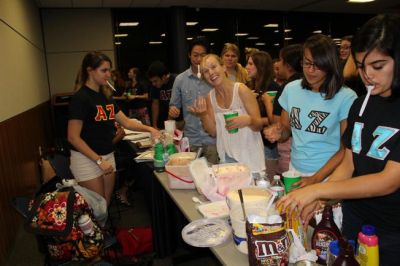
(230, 47)
(241, 73)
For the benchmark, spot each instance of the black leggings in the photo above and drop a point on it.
(389, 241)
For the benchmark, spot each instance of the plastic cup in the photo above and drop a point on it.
(239, 224)
(289, 178)
(272, 93)
(230, 115)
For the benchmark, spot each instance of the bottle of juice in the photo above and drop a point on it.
(325, 232)
(368, 250)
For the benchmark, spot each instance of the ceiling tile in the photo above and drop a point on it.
(54, 3)
(87, 3)
(116, 3)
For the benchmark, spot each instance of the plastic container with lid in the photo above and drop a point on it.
(368, 250)
(333, 252)
(278, 187)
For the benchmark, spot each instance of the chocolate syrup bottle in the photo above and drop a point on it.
(325, 232)
(346, 255)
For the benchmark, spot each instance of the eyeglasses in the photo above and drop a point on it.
(307, 64)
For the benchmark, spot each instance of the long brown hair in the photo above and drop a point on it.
(263, 62)
(324, 53)
(93, 60)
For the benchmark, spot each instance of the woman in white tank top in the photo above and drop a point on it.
(244, 146)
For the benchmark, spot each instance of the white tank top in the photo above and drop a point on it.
(246, 145)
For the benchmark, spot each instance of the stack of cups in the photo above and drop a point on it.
(159, 163)
(170, 126)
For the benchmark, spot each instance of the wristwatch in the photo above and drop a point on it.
(99, 161)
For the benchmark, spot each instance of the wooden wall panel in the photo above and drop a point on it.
(20, 137)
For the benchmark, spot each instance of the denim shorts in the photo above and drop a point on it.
(271, 153)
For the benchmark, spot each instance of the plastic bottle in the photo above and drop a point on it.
(324, 233)
(261, 180)
(368, 250)
(333, 252)
(346, 255)
(86, 224)
(277, 187)
(159, 162)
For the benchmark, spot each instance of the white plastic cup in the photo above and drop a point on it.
(239, 224)
(170, 126)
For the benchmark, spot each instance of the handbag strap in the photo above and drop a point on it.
(179, 178)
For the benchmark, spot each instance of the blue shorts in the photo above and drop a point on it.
(271, 154)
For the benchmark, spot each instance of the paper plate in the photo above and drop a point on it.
(206, 232)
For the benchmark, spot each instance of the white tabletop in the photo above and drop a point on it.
(226, 253)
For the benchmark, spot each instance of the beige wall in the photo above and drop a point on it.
(69, 35)
(23, 76)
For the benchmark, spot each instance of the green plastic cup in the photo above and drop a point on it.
(272, 93)
(230, 115)
(289, 178)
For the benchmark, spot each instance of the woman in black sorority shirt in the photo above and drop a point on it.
(92, 116)
(368, 177)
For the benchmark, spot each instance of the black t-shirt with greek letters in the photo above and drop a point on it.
(374, 139)
(98, 116)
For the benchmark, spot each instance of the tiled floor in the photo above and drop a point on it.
(25, 251)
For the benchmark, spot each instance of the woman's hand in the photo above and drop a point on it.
(199, 106)
(174, 111)
(131, 97)
(273, 133)
(155, 133)
(255, 93)
(299, 200)
(237, 122)
(106, 167)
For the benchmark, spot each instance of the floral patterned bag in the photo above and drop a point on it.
(54, 216)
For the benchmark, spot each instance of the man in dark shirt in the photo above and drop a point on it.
(160, 92)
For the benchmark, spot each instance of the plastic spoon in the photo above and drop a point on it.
(242, 204)
(111, 86)
(364, 104)
(198, 72)
(197, 200)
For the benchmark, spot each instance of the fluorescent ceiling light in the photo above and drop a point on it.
(360, 1)
(337, 39)
(209, 29)
(162, 35)
(288, 38)
(276, 31)
(191, 23)
(288, 30)
(271, 25)
(253, 38)
(121, 35)
(317, 31)
(155, 42)
(129, 24)
(276, 44)
(260, 43)
(239, 34)
(189, 38)
(117, 43)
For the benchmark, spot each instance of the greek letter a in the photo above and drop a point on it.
(102, 114)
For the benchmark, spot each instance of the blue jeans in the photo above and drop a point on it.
(271, 154)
